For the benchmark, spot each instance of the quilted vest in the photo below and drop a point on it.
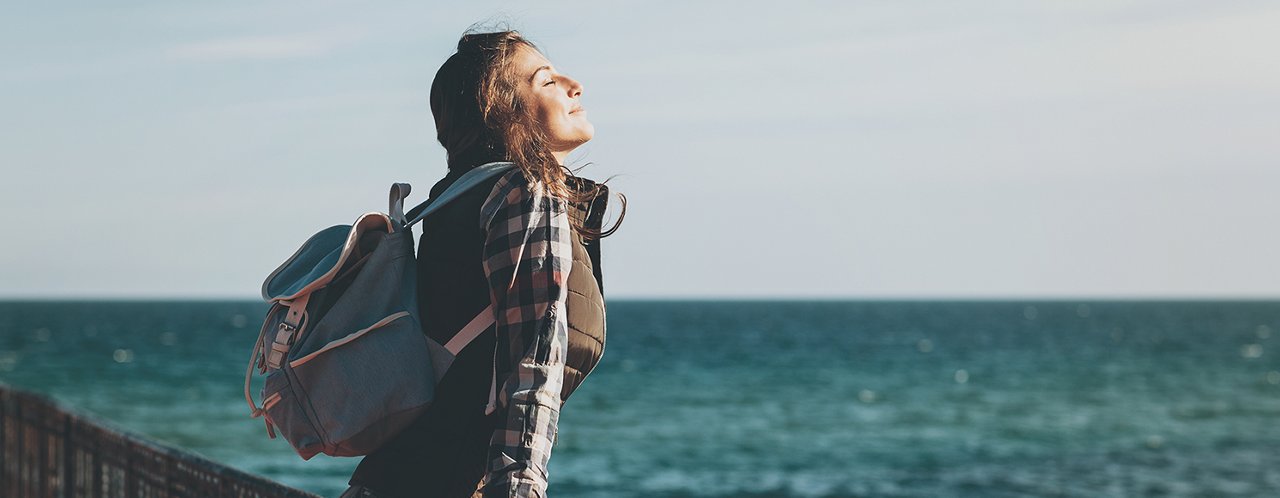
(585, 304)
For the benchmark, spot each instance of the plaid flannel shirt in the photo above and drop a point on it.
(527, 258)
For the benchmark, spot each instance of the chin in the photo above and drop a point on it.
(568, 139)
(581, 137)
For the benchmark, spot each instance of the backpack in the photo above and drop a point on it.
(346, 361)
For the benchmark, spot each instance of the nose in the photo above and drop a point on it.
(575, 87)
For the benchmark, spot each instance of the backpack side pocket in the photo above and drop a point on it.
(283, 409)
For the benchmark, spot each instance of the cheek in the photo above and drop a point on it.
(559, 125)
(545, 113)
(545, 107)
(558, 122)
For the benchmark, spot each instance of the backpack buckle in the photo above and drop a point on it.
(280, 346)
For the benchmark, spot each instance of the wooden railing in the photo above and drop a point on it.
(49, 452)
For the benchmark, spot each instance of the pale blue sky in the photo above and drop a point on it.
(798, 149)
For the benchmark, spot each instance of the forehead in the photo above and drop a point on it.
(528, 60)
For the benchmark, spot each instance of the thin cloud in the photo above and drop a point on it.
(266, 47)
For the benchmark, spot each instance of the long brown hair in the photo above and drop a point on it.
(480, 118)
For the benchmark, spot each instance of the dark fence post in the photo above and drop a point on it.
(68, 461)
(94, 459)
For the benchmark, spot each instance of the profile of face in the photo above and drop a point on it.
(553, 98)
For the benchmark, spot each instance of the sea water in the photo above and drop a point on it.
(770, 398)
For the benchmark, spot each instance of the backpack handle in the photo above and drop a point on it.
(399, 191)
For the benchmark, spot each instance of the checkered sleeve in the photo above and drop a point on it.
(527, 257)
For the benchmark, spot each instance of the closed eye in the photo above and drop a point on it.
(552, 82)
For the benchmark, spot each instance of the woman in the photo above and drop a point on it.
(526, 244)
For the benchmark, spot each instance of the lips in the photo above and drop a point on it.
(576, 109)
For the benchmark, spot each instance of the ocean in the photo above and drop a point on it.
(770, 398)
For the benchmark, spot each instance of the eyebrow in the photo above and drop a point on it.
(535, 72)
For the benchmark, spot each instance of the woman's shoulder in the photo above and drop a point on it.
(515, 191)
(516, 196)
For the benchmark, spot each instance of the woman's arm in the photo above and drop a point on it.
(527, 257)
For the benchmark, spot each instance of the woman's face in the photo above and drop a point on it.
(554, 100)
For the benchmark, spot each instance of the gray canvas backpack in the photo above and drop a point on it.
(346, 362)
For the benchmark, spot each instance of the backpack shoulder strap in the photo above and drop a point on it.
(469, 180)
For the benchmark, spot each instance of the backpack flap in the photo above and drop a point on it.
(320, 257)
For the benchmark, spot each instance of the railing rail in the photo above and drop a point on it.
(47, 451)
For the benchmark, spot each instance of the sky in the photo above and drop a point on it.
(855, 149)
